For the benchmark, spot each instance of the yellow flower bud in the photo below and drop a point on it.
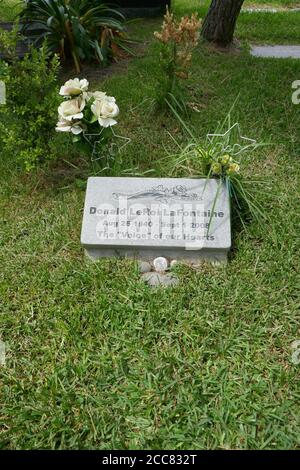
(216, 168)
(225, 159)
(233, 168)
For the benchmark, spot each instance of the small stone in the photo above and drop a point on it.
(144, 267)
(160, 280)
(160, 264)
(169, 280)
(217, 264)
(173, 263)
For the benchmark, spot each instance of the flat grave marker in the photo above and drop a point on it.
(178, 218)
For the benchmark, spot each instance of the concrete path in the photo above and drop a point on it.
(270, 10)
(280, 52)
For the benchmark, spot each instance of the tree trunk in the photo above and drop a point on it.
(220, 21)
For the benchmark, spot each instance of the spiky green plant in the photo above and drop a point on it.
(220, 156)
(81, 29)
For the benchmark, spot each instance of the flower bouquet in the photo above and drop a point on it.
(220, 157)
(88, 116)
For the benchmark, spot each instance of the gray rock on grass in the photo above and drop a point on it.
(155, 279)
(144, 267)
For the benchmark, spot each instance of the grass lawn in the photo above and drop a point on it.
(9, 8)
(95, 359)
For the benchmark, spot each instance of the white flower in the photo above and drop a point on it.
(74, 87)
(97, 95)
(105, 111)
(67, 126)
(72, 109)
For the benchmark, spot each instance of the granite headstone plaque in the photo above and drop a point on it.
(179, 218)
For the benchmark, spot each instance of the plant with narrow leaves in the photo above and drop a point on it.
(220, 157)
(81, 29)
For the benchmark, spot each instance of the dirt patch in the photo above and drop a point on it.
(95, 72)
(234, 48)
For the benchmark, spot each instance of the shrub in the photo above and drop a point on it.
(28, 118)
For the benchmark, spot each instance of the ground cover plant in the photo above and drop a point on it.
(95, 359)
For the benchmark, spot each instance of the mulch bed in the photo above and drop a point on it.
(93, 71)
